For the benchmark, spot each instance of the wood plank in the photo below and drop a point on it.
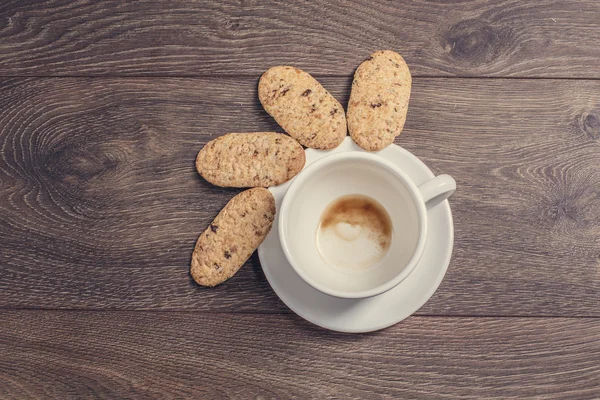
(188, 355)
(546, 38)
(100, 205)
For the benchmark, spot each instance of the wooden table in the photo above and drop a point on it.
(104, 105)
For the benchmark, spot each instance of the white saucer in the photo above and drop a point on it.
(370, 314)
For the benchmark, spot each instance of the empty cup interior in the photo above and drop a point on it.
(321, 187)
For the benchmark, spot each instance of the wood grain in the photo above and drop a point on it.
(49, 354)
(100, 205)
(104, 106)
(547, 38)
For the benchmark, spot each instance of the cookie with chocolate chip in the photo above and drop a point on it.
(379, 100)
(257, 159)
(232, 237)
(302, 106)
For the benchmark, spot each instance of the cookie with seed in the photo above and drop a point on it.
(379, 100)
(258, 159)
(303, 108)
(232, 237)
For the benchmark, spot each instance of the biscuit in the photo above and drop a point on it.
(232, 237)
(303, 108)
(259, 159)
(379, 100)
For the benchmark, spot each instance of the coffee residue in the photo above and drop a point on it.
(360, 222)
(363, 211)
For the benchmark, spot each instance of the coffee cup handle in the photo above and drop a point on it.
(440, 188)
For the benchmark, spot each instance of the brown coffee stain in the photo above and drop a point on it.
(360, 210)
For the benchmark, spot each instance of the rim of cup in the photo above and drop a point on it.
(313, 169)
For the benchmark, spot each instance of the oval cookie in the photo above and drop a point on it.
(232, 237)
(379, 100)
(303, 108)
(259, 159)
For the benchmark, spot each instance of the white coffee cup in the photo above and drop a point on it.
(342, 174)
